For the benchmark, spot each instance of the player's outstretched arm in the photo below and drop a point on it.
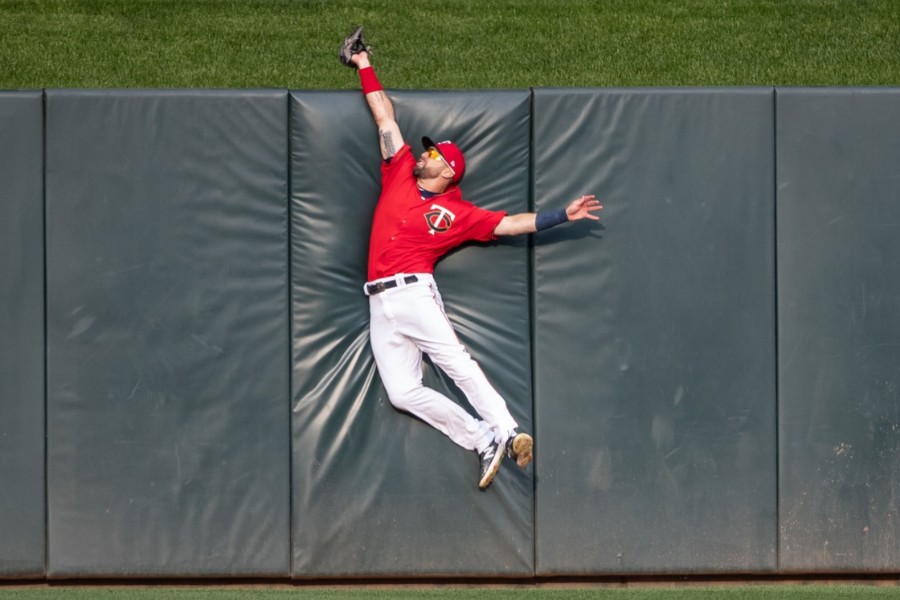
(389, 136)
(581, 208)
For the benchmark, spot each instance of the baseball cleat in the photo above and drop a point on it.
(489, 461)
(520, 448)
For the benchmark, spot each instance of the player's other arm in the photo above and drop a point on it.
(389, 136)
(581, 208)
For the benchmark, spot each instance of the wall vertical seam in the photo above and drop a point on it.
(46, 349)
(290, 338)
(531, 326)
(777, 331)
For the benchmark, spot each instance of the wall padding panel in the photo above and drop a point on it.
(839, 328)
(376, 492)
(22, 505)
(168, 348)
(654, 333)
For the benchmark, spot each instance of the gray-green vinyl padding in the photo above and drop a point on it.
(376, 492)
(22, 530)
(839, 329)
(710, 372)
(654, 334)
(168, 369)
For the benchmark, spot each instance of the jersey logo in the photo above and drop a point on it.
(439, 219)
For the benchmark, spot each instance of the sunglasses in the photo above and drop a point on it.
(433, 154)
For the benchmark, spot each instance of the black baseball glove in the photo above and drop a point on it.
(353, 44)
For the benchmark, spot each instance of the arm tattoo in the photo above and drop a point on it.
(387, 142)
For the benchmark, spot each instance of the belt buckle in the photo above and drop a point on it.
(379, 287)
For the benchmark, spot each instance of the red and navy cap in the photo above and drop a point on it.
(451, 154)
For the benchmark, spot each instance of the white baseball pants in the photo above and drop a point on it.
(405, 322)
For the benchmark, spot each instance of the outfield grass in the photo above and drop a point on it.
(763, 592)
(459, 44)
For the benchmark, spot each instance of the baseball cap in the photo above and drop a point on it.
(451, 153)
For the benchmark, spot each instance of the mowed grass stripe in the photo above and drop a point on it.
(460, 44)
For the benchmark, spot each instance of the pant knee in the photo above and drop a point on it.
(458, 364)
(404, 399)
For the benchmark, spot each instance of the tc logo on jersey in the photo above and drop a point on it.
(439, 219)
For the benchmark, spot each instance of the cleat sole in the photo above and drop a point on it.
(523, 449)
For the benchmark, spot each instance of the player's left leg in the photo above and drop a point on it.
(399, 363)
(428, 325)
(422, 320)
(442, 344)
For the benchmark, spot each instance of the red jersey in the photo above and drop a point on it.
(410, 234)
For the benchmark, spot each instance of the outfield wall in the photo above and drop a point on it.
(711, 374)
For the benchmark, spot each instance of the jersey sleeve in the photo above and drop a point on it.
(483, 222)
(399, 165)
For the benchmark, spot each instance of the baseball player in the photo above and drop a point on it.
(420, 216)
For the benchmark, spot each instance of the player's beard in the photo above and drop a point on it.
(423, 172)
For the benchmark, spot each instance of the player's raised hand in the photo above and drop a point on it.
(583, 208)
(360, 60)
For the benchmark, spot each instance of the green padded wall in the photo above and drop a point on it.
(177, 446)
(376, 492)
(22, 505)
(654, 334)
(168, 347)
(839, 325)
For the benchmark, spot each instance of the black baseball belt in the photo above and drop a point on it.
(380, 286)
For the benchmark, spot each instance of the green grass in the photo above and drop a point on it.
(459, 44)
(765, 592)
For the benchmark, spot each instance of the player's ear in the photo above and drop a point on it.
(447, 174)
